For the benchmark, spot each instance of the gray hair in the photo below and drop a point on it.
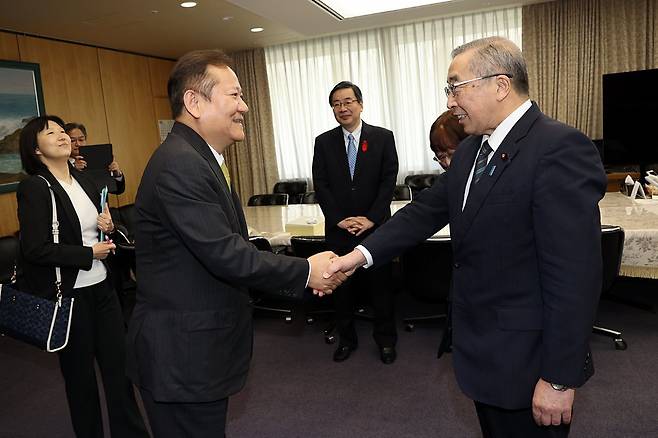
(497, 55)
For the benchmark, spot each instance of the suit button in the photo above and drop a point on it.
(456, 265)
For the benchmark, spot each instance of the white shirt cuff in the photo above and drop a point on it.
(366, 254)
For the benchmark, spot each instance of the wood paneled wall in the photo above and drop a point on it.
(118, 96)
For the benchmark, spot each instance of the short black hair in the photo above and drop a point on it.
(346, 84)
(28, 142)
(72, 125)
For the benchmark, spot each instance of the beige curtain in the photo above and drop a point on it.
(569, 44)
(252, 163)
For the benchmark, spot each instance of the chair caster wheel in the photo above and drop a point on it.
(288, 319)
(330, 339)
(409, 327)
(310, 320)
(620, 344)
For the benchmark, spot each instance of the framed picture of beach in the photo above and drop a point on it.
(21, 99)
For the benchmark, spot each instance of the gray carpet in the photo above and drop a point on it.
(296, 390)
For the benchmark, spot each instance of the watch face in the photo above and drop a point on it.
(558, 387)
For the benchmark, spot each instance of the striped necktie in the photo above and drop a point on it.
(227, 175)
(481, 162)
(351, 154)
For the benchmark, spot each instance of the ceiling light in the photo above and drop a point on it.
(256, 29)
(227, 18)
(188, 4)
(342, 9)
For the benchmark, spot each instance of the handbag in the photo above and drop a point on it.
(41, 322)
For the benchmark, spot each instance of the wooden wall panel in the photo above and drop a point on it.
(131, 118)
(159, 70)
(8, 219)
(71, 82)
(8, 47)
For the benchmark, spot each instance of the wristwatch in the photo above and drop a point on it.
(558, 387)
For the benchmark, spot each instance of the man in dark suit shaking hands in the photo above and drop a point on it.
(521, 197)
(190, 338)
(355, 166)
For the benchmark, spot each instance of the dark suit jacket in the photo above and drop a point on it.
(527, 258)
(371, 191)
(39, 255)
(190, 337)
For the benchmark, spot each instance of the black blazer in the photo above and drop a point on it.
(38, 254)
(190, 337)
(527, 258)
(371, 191)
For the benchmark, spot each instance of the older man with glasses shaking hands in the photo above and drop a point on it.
(521, 198)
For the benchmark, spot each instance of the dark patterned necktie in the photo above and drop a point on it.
(481, 162)
(351, 154)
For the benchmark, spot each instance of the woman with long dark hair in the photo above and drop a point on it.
(97, 332)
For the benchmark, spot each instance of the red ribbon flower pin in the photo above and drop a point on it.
(364, 145)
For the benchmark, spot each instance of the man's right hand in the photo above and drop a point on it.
(324, 284)
(79, 163)
(345, 265)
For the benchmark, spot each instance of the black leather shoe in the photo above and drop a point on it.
(343, 352)
(388, 355)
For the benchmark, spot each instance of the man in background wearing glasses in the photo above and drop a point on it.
(521, 198)
(355, 167)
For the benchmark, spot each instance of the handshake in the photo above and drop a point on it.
(328, 271)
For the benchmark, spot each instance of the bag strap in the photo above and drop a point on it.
(55, 233)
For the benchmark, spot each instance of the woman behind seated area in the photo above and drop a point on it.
(97, 326)
(445, 135)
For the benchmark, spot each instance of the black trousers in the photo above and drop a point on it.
(185, 420)
(517, 423)
(377, 282)
(97, 333)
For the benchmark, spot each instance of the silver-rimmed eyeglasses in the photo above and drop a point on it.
(452, 88)
(344, 103)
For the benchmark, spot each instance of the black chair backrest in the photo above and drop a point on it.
(291, 186)
(612, 248)
(420, 182)
(261, 243)
(268, 199)
(306, 246)
(427, 269)
(309, 198)
(402, 192)
(8, 256)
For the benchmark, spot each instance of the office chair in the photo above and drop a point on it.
(8, 254)
(295, 188)
(268, 199)
(306, 246)
(309, 198)
(261, 299)
(427, 276)
(420, 182)
(612, 247)
(402, 192)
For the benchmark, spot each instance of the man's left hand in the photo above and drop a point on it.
(551, 407)
(360, 224)
(114, 169)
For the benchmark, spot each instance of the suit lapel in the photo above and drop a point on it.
(201, 146)
(500, 161)
(340, 152)
(65, 203)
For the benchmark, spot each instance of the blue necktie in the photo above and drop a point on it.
(351, 154)
(481, 162)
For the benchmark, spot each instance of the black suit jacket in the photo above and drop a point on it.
(527, 258)
(38, 254)
(369, 194)
(190, 337)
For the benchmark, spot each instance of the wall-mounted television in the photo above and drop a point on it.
(630, 117)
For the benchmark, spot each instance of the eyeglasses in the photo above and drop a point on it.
(339, 104)
(452, 88)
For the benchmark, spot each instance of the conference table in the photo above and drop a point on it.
(638, 218)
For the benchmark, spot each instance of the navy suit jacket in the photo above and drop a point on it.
(527, 258)
(369, 194)
(190, 337)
